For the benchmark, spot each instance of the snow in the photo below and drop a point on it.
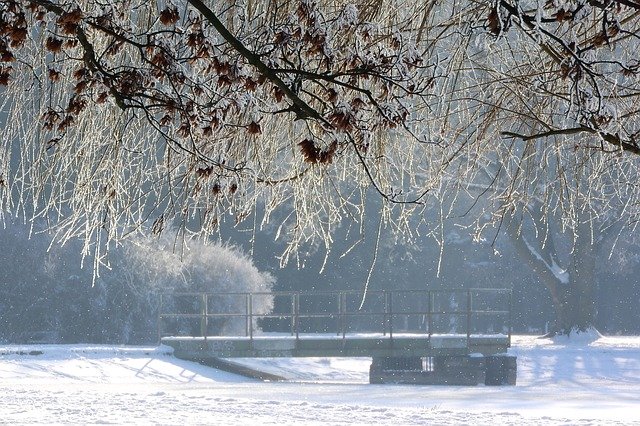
(589, 380)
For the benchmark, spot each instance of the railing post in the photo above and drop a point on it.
(160, 319)
(385, 319)
(204, 320)
(468, 316)
(339, 329)
(388, 310)
(343, 305)
(250, 301)
(429, 313)
(293, 313)
(297, 313)
(246, 314)
(510, 316)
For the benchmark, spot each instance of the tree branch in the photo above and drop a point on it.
(303, 110)
(615, 140)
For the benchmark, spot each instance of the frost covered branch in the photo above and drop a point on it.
(135, 117)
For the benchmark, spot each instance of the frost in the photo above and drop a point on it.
(561, 274)
(159, 133)
(348, 17)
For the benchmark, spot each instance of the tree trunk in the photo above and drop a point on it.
(578, 310)
(572, 289)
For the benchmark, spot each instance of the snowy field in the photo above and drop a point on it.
(559, 382)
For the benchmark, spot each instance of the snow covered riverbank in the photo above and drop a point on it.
(559, 382)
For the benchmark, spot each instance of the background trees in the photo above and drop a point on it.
(47, 296)
(190, 113)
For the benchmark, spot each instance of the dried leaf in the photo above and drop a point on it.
(81, 73)
(7, 57)
(17, 35)
(250, 84)
(76, 105)
(600, 39)
(54, 75)
(169, 16)
(204, 172)
(332, 95)
(102, 97)
(326, 157)
(224, 80)
(53, 44)
(69, 21)
(278, 94)
(68, 121)
(254, 128)
(493, 22)
(50, 118)
(563, 15)
(309, 151)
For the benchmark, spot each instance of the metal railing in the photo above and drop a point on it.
(460, 311)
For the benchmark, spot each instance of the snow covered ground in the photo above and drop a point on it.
(559, 382)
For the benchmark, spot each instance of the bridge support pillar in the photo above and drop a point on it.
(501, 370)
(465, 370)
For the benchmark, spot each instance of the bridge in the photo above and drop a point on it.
(413, 336)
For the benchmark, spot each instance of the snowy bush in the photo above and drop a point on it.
(200, 267)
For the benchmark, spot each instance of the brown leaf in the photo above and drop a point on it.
(613, 30)
(342, 120)
(184, 130)
(53, 44)
(80, 87)
(357, 103)
(54, 75)
(69, 21)
(206, 130)
(68, 121)
(278, 93)
(7, 57)
(281, 37)
(17, 35)
(165, 120)
(493, 23)
(224, 80)
(254, 128)
(563, 15)
(204, 172)
(169, 16)
(332, 95)
(250, 84)
(5, 76)
(326, 157)
(76, 104)
(309, 151)
(600, 39)
(195, 39)
(49, 119)
(81, 73)
(102, 97)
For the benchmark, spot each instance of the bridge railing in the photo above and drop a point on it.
(430, 312)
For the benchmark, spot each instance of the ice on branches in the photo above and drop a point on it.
(123, 117)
